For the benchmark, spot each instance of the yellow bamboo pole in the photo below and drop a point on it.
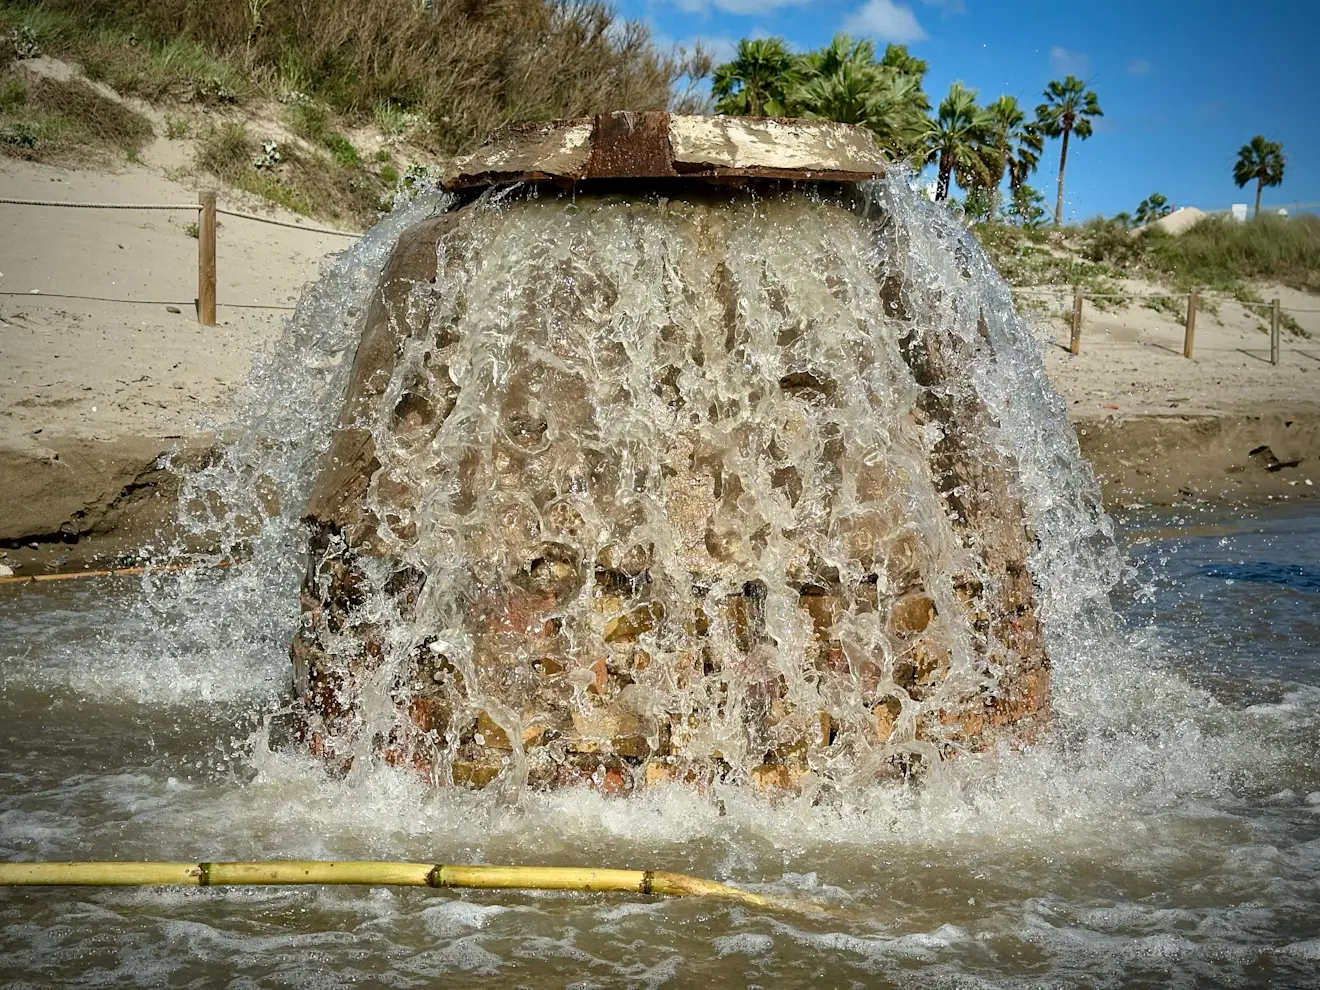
(113, 572)
(283, 872)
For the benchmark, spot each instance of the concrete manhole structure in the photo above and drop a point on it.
(655, 465)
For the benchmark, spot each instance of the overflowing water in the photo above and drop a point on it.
(643, 485)
(1167, 833)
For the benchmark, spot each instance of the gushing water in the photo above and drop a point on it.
(700, 479)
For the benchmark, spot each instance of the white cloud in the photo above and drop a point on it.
(951, 8)
(1139, 67)
(1068, 63)
(884, 20)
(735, 6)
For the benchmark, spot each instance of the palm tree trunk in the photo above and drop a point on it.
(946, 169)
(997, 195)
(1063, 162)
(1260, 184)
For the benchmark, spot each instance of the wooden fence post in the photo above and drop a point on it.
(1191, 324)
(206, 260)
(1274, 331)
(1076, 345)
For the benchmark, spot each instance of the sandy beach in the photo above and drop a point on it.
(1131, 360)
(103, 366)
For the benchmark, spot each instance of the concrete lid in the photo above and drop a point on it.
(655, 144)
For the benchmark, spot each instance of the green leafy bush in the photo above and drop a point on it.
(307, 119)
(341, 150)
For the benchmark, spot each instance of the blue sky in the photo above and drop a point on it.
(1183, 83)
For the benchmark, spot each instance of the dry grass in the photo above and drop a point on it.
(444, 78)
(1220, 252)
(464, 68)
(65, 122)
(304, 183)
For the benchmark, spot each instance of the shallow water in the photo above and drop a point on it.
(1175, 843)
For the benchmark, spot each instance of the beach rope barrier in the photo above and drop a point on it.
(285, 223)
(100, 206)
(10, 201)
(375, 873)
(42, 294)
(205, 231)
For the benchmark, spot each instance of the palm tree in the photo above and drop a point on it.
(958, 140)
(1151, 208)
(844, 82)
(1260, 160)
(1068, 109)
(756, 81)
(897, 58)
(1016, 144)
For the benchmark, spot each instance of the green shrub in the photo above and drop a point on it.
(389, 175)
(57, 121)
(21, 135)
(341, 150)
(394, 120)
(287, 177)
(177, 128)
(13, 94)
(1110, 242)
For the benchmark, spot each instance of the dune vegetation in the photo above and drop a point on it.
(457, 71)
(434, 79)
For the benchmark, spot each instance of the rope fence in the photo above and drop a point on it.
(1192, 296)
(100, 206)
(206, 278)
(283, 223)
(38, 294)
(207, 210)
